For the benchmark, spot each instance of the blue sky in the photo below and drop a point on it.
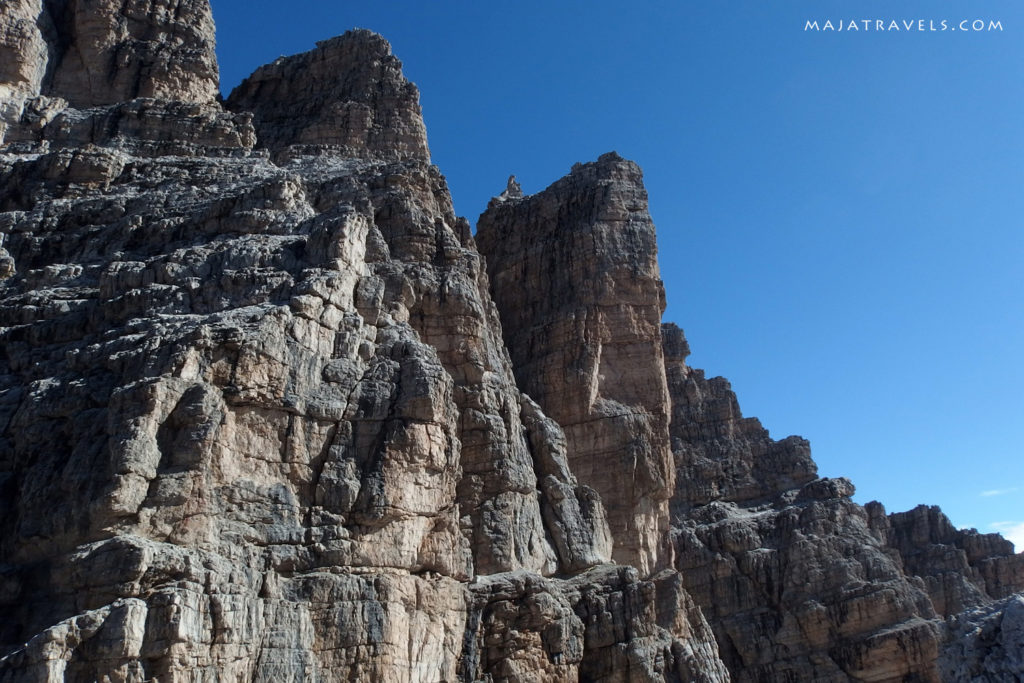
(839, 213)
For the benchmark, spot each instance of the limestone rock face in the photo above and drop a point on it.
(261, 418)
(574, 274)
(961, 569)
(102, 52)
(349, 93)
(143, 127)
(721, 455)
(82, 54)
(22, 47)
(797, 581)
(987, 644)
(523, 627)
(23, 58)
(257, 420)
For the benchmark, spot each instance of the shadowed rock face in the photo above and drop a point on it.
(719, 454)
(796, 580)
(69, 70)
(102, 52)
(349, 92)
(260, 418)
(960, 568)
(257, 420)
(987, 643)
(574, 274)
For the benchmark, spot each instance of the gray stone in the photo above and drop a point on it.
(574, 274)
(261, 418)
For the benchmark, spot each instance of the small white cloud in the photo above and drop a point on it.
(1012, 532)
(999, 492)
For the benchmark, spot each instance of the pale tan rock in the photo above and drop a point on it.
(259, 408)
(144, 127)
(258, 420)
(348, 93)
(109, 51)
(602, 625)
(719, 454)
(23, 58)
(95, 53)
(797, 581)
(267, 405)
(961, 569)
(574, 274)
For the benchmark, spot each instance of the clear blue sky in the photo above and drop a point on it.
(839, 213)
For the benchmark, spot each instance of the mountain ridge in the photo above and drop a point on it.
(271, 411)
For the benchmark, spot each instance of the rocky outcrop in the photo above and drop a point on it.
(108, 51)
(137, 76)
(142, 127)
(348, 93)
(102, 52)
(574, 274)
(258, 421)
(719, 454)
(801, 591)
(986, 644)
(785, 566)
(261, 418)
(797, 581)
(961, 569)
(525, 628)
(23, 57)
(94, 53)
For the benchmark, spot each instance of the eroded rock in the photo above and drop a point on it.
(349, 92)
(574, 274)
(260, 418)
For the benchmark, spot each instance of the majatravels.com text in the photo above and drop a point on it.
(904, 25)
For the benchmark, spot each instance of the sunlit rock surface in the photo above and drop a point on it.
(267, 413)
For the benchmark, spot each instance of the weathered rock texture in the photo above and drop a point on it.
(258, 420)
(23, 57)
(90, 53)
(574, 273)
(987, 644)
(348, 93)
(797, 581)
(959, 567)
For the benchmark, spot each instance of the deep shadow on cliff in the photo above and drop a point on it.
(270, 411)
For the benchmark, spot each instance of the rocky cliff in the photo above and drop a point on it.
(270, 411)
(574, 273)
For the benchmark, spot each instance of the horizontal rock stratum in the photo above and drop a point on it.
(270, 411)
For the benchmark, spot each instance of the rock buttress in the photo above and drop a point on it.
(91, 53)
(961, 569)
(348, 93)
(797, 581)
(257, 422)
(574, 275)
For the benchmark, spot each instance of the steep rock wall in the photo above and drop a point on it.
(258, 419)
(89, 53)
(348, 93)
(574, 274)
(798, 581)
(258, 422)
